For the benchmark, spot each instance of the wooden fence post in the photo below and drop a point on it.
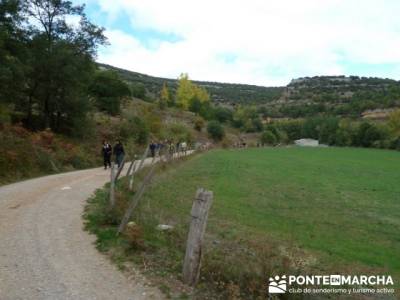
(199, 213)
(130, 167)
(136, 198)
(120, 169)
(146, 152)
(112, 186)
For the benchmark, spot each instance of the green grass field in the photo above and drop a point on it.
(338, 208)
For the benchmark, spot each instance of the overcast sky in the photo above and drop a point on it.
(259, 42)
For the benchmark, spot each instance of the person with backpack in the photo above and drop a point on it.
(106, 150)
(119, 153)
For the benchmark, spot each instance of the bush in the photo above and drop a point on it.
(222, 114)
(282, 137)
(138, 90)
(367, 134)
(226, 142)
(199, 123)
(215, 130)
(177, 132)
(268, 138)
(135, 127)
(395, 143)
(293, 129)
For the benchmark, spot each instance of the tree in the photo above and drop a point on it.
(164, 96)
(327, 130)
(293, 129)
(108, 90)
(247, 119)
(368, 134)
(138, 90)
(54, 63)
(215, 130)
(13, 52)
(185, 91)
(195, 105)
(189, 95)
(344, 134)
(222, 114)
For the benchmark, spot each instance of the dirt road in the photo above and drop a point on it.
(44, 252)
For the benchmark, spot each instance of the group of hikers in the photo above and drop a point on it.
(155, 149)
(107, 151)
(167, 145)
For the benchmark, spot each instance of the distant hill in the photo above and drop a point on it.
(223, 93)
(337, 95)
(302, 97)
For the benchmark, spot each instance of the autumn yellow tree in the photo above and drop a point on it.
(185, 91)
(165, 98)
(189, 94)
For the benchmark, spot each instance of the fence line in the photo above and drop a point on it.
(135, 200)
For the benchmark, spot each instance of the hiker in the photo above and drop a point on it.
(106, 150)
(153, 147)
(171, 147)
(119, 153)
(184, 148)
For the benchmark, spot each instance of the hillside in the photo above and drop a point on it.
(27, 154)
(223, 93)
(336, 95)
(351, 96)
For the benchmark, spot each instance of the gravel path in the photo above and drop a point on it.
(44, 252)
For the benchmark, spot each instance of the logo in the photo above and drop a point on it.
(277, 285)
(336, 284)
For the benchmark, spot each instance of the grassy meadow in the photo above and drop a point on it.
(292, 210)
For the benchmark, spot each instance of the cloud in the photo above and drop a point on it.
(256, 41)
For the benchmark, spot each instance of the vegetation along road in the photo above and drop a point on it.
(44, 251)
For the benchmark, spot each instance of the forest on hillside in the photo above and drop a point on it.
(222, 93)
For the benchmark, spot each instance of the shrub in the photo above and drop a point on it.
(177, 132)
(199, 123)
(135, 127)
(215, 130)
(138, 90)
(226, 142)
(222, 114)
(395, 143)
(268, 138)
(282, 137)
(134, 235)
(367, 134)
(292, 128)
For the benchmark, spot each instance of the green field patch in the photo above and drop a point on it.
(291, 210)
